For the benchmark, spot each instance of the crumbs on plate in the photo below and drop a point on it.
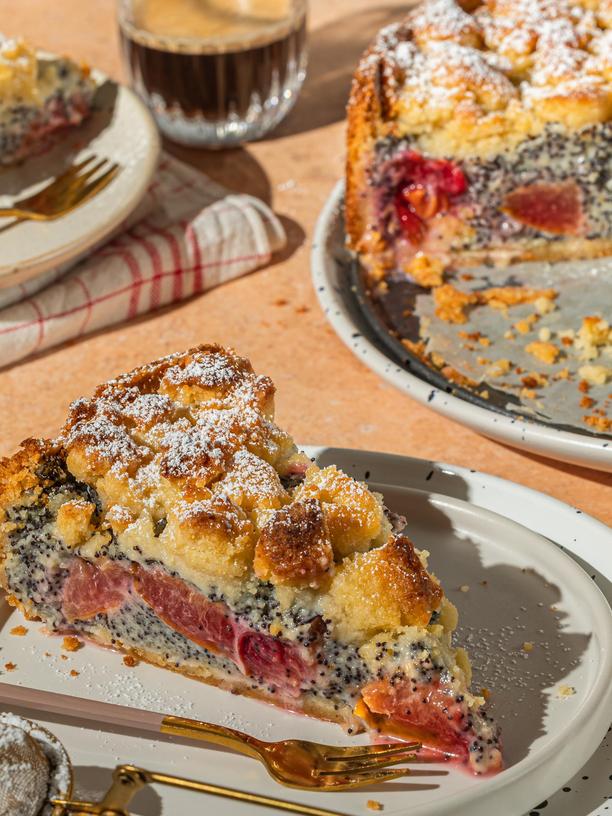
(71, 643)
(372, 804)
(10, 666)
(565, 691)
(19, 631)
(130, 661)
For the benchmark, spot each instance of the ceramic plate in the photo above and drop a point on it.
(518, 587)
(340, 303)
(120, 129)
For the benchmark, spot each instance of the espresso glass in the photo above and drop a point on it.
(215, 73)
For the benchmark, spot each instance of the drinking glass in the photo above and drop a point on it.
(215, 73)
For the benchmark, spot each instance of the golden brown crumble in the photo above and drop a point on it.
(71, 643)
(294, 547)
(546, 352)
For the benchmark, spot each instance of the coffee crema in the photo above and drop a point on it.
(215, 72)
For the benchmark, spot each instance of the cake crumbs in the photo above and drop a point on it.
(563, 692)
(19, 631)
(74, 673)
(499, 368)
(527, 646)
(130, 661)
(595, 374)
(546, 352)
(10, 666)
(525, 325)
(599, 423)
(464, 588)
(587, 402)
(63, 657)
(71, 643)
(373, 804)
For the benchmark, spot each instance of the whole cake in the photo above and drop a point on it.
(173, 519)
(39, 95)
(482, 133)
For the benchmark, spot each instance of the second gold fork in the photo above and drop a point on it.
(66, 192)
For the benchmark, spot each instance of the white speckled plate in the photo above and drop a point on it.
(478, 529)
(340, 306)
(120, 129)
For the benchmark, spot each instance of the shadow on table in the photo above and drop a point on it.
(334, 51)
(598, 476)
(92, 782)
(235, 168)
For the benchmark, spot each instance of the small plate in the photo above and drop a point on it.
(477, 530)
(341, 299)
(120, 129)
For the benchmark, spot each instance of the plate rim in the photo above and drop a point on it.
(80, 245)
(535, 437)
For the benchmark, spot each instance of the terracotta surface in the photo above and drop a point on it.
(325, 396)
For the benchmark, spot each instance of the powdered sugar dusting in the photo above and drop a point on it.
(526, 50)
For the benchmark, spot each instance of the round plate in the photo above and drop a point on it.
(339, 302)
(120, 129)
(477, 530)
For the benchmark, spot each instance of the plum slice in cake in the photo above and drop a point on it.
(39, 95)
(482, 136)
(174, 520)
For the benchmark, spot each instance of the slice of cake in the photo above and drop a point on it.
(38, 95)
(482, 134)
(172, 519)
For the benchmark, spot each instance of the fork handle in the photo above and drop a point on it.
(22, 215)
(216, 734)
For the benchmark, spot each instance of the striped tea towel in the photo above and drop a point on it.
(188, 235)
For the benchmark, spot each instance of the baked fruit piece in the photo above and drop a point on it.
(482, 134)
(38, 96)
(172, 519)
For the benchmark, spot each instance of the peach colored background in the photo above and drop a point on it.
(324, 394)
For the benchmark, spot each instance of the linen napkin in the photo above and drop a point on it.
(188, 235)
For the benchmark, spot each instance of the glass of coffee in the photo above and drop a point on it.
(215, 73)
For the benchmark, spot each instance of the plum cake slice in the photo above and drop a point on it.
(39, 94)
(174, 520)
(479, 133)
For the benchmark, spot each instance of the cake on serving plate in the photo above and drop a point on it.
(482, 133)
(39, 94)
(173, 519)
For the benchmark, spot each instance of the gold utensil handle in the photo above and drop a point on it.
(128, 780)
(216, 734)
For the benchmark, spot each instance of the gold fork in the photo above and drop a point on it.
(303, 764)
(78, 184)
(294, 763)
